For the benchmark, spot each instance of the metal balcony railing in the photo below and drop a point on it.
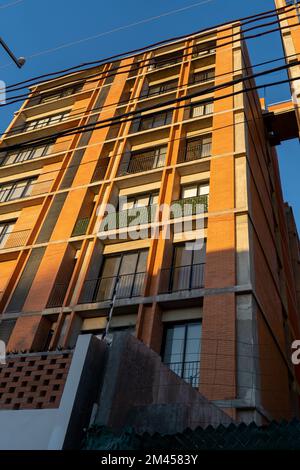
(201, 51)
(195, 151)
(14, 239)
(57, 295)
(189, 206)
(102, 288)
(100, 170)
(188, 371)
(140, 163)
(130, 217)
(164, 62)
(181, 278)
(80, 227)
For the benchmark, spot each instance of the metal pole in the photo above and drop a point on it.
(105, 333)
(19, 62)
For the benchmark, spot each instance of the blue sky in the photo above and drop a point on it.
(31, 27)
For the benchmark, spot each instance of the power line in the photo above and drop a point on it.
(120, 28)
(136, 65)
(251, 18)
(101, 159)
(119, 118)
(173, 89)
(7, 5)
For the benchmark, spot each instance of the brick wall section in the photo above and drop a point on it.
(33, 381)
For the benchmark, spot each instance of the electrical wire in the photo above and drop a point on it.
(129, 101)
(115, 155)
(119, 118)
(255, 17)
(7, 5)
(136, 65)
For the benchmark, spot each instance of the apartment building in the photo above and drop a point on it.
(219, 302)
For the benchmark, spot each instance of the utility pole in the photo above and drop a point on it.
(19, 62)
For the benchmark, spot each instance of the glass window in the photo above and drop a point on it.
(63, 92)
(5, 231)
(143, 200)
(198, 148)
(128, 270)
(201, 110)
(16, 190)
(201, 77)
(182, 350)
(195, 190)
(158, 120)
(26, 154)
(187, 271)
(44, 122)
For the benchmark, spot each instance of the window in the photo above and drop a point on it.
(143, 161)
(182, 349)
(122, 274)
(61, 93)
(165, 60)
(199, 147)
(195, 190)
(143, 200)
(44, 122)
(26, 154)
(153, 90)
(201, 110)
(202, 77)
(5, 230)
(196, 196)
(161, 119)
(187, 271)
(16, 190)
(204, 49)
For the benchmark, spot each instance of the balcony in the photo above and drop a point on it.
(188, 371)
(57, 295)
(181, 278)
(14, 239)
(162, 61)
(80, 227)
(124, 286)
(129, 218)
(195, 150)
(201, 50)
(189, 206)
(142, 162)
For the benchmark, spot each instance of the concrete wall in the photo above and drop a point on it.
(139, 391)
(53, 429)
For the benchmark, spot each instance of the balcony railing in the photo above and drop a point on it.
(158, 64)
(195, 151)
(130, 217)
(14, 239)
(81, 227)
(100, 170)
(188, 371)
(189, 206)
(181, 278)
(125, 286)
(140, 163)
(57, 295)
(201, 51)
